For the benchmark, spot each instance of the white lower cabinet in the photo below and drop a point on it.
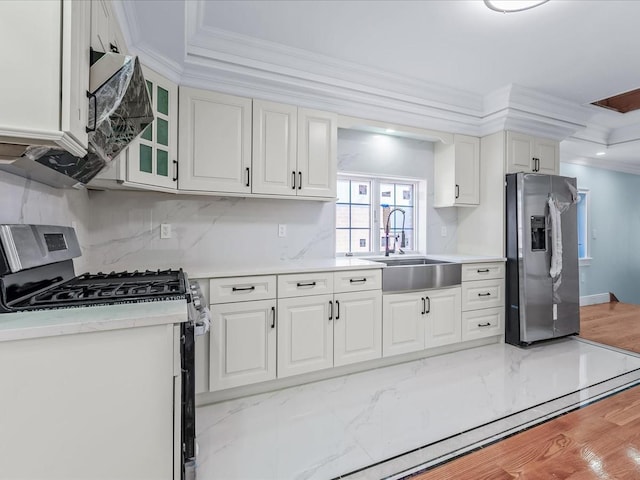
(305, 334)
(482, 323)
(419, 320)
(357, 327)
(242, 344)
(482, 300)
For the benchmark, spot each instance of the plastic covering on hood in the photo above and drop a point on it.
(122, 110)
(80, 169)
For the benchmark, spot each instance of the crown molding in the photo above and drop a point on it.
(606, 165)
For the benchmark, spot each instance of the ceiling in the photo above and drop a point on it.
(452, 55)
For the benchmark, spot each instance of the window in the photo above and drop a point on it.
(364, 204)
(584, 252)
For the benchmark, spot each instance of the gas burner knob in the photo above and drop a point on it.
(196, 302)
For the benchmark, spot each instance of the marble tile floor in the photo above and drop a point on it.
(393, 421)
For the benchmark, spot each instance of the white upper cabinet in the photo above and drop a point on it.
(215, 142)
(317, 153)
(152, 156)
(105, 32)
(532, 154)
(457, 172)
(275, 160)
(46, 60)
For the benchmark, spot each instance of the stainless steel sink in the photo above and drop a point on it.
(406, 274)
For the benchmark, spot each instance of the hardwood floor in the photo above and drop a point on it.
(599, 441)
(616, 324)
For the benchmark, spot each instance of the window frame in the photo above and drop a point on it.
(374, 219)
(586, 260)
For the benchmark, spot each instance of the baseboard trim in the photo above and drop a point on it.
(594, 299)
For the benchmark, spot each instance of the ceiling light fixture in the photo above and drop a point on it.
(389, 130)
(508, 6)
(601, 153)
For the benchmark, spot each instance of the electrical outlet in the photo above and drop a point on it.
(282, 230)
(443, 231)
(165, 230)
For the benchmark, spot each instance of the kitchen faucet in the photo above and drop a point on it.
(386, 231)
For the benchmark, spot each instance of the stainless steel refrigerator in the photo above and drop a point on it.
(542, 289)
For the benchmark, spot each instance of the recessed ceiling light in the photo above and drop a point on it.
(506, 6)
(601, 153)
(390, 130)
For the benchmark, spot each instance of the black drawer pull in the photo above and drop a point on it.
(484, 294)
(483, 270)
(299, 180)
(488, 324)
(309, 284)
(330, 310)
(293, 176)
(338, 307)
(243, 289)
(357, 280)
(424, 306)
(248, 177)
(428, 305)
(91, 96)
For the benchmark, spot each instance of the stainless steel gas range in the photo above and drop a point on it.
(37, 273)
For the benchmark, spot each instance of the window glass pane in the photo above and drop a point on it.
(163, 131)
(150, 89)
(360, 239)
(163, 101)
(386, 194)
(360, 192)
(342, 216)
(147, 133)
(360, 216)
(342, 241)
(395, 238)
(343, 191)
(162, 167)
(582, 225)
(146, 162)
(404, 194)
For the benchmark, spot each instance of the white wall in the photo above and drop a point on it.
(375, 154)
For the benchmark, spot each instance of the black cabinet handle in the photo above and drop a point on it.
(488, 294)
(243, 289)
(299, 180)
(357, 280)
(273, 317)
(338, 309)
(428, 304)
(457, 191)
(424, 306)
(175, 162)
(484, 324)
(330, 310)
(248, 177)
(114, 48)
(483, 270)
(91, 96)
(293, 177)
(308, 284)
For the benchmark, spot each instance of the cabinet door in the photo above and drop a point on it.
(305, 334)
(274, 148)
(152, 157)
(519, 152)
(467, 168)
(548, 154)
(317, 153)
(242, 344)
(215, 142)
(357, 327)
(100, 23)
(443, 324)
(76, 34)
(403, 323)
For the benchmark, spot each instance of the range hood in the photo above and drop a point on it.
(119, 110)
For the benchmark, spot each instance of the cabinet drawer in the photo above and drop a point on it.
(482, 294)
(355, 281)
(482, 323)
(482, 271)
(301, 284)
(240, 289)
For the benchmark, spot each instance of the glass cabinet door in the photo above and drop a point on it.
(152, 157)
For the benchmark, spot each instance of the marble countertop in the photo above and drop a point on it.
(278, 268)
(320, 265)
(67, 321)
